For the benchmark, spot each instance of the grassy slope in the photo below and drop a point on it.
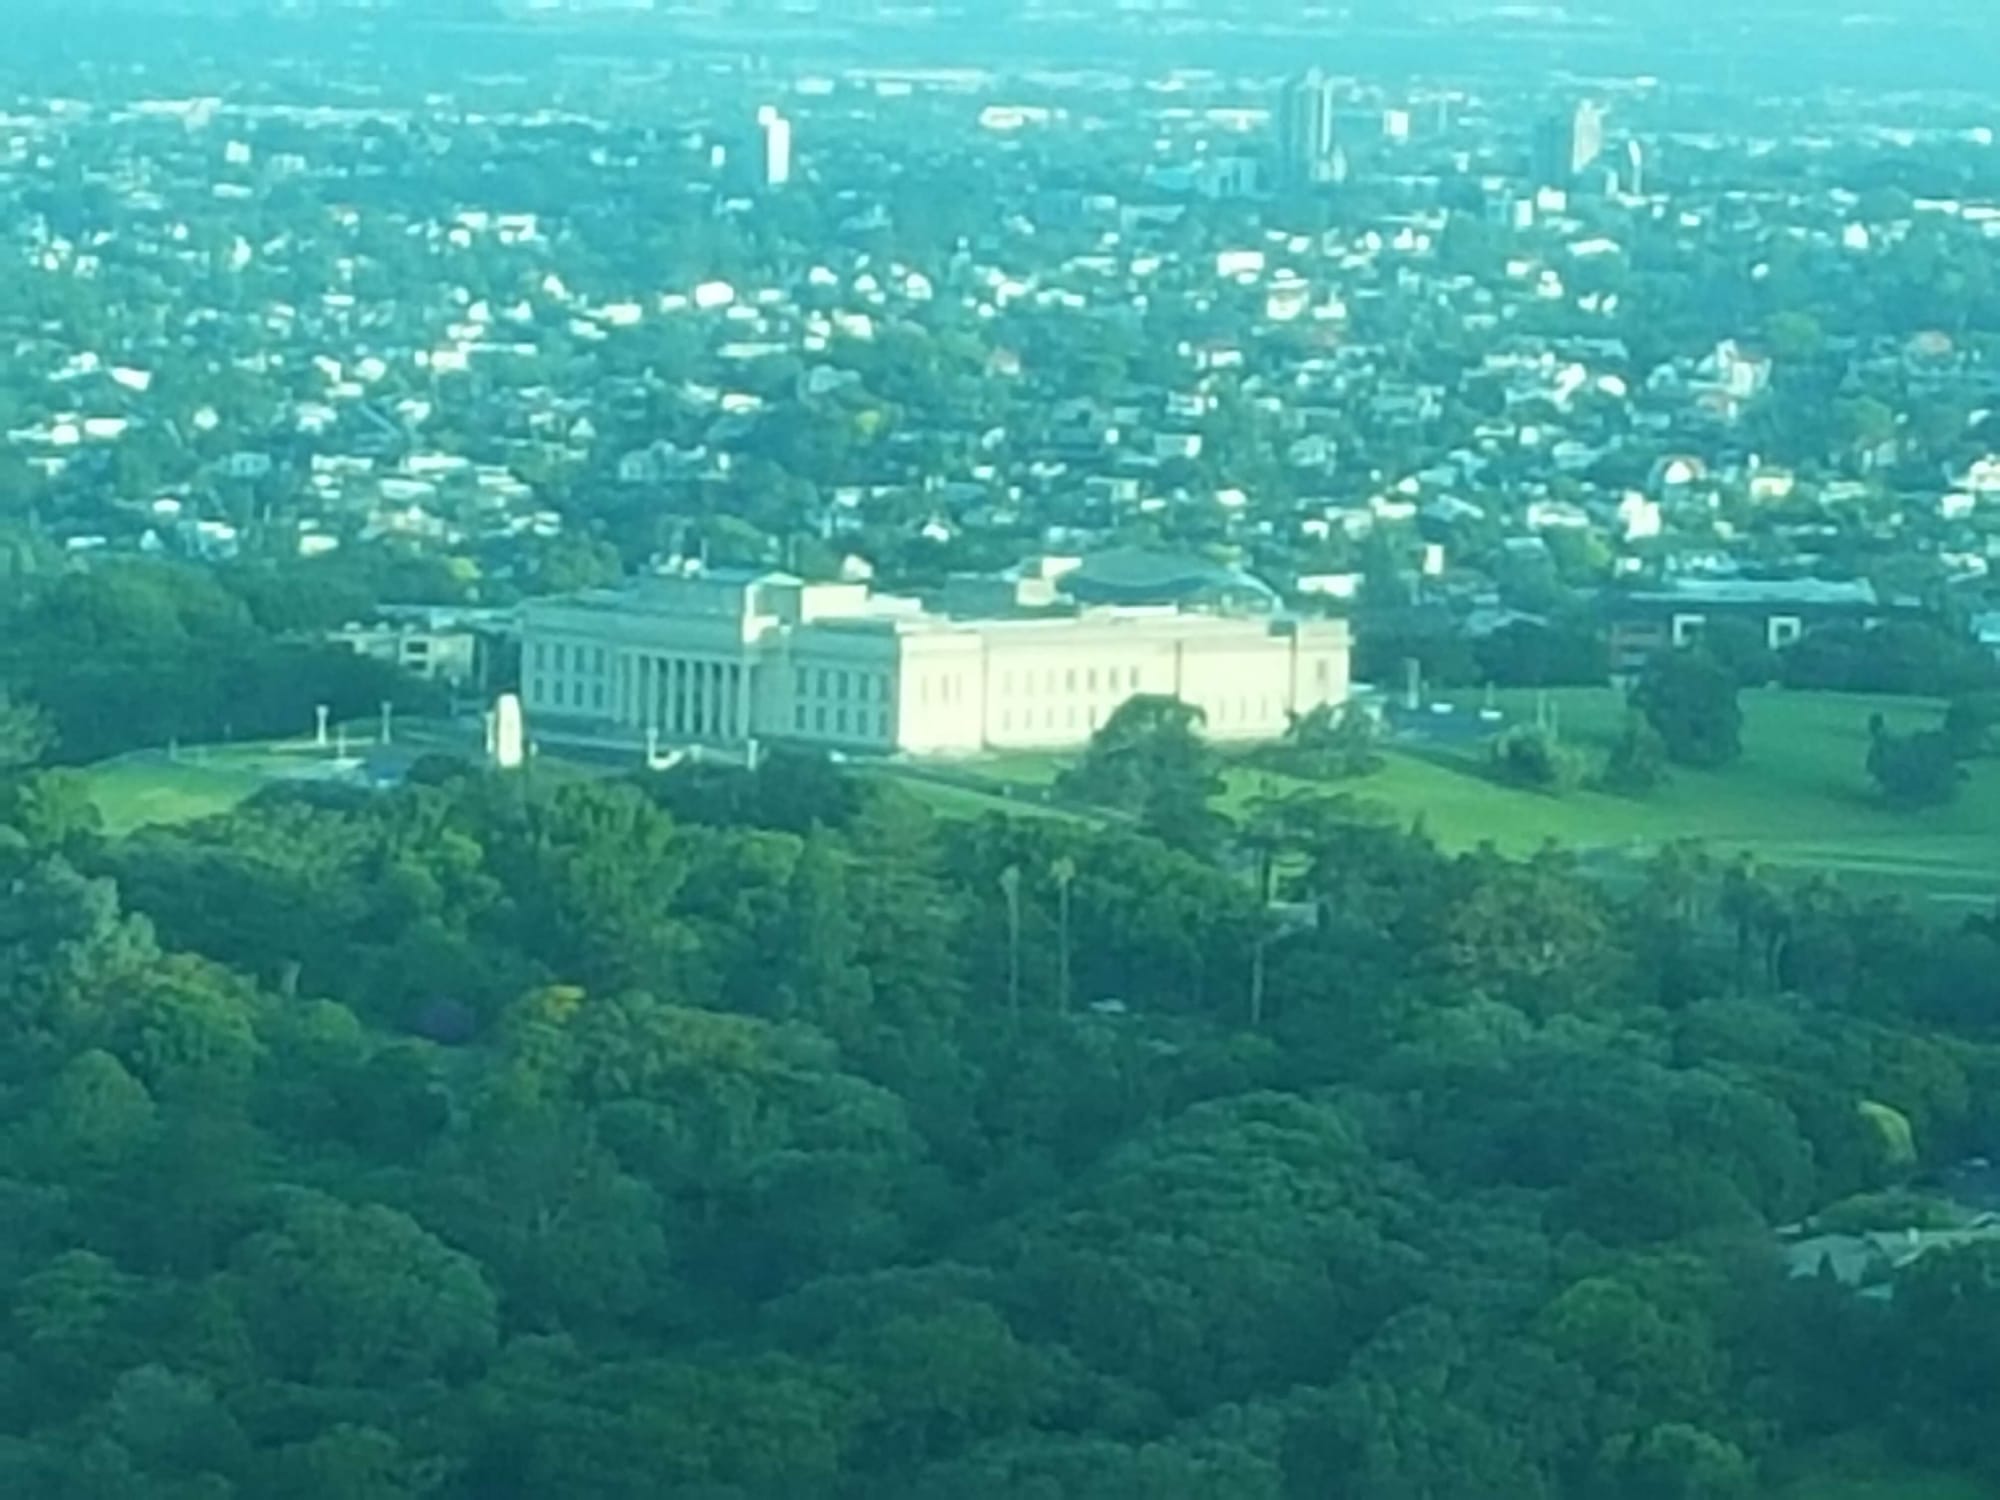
(133, 793)
(1873, 1478)
(1800, 780)
(1799, 797)
(1905, 1487)
(135, 790)
(964, 802)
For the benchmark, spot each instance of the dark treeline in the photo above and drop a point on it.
(133, 655)
(735, 1135)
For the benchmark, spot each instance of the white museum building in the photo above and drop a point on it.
(724, 658)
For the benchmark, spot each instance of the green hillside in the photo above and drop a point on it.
(1799, 798)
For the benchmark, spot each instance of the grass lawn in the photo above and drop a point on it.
(146, 787)
(963, 802)
(132, 792)
(1898, 1487)
(1858, 1470)
(1023, 767)
(1799, 797)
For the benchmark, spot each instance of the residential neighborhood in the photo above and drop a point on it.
(531, 338)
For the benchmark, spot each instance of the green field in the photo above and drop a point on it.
(949, 801)
(131, 793)
(148, 787)
(1799, 797)
(1852, 1469)
(1901, 1487)
(200, 781)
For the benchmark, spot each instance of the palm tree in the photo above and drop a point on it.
(1756, 904)
(1259, 941)
(1010, 888)
(1063, 872)
(1265, 835)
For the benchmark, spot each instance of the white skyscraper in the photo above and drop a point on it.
(777, 135)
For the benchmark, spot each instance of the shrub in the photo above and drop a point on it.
(1530, 756)
(1637, 762)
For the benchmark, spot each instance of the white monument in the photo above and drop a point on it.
(506, 735)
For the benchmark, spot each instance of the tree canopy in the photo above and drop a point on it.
(1689, 698)
(756, 1133)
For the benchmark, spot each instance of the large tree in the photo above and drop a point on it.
(1150, 761)
(1690, 698)
(1913, 770)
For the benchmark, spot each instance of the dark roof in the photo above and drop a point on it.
(1823, 592)
(1138, 575)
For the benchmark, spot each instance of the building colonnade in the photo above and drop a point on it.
(686, 697)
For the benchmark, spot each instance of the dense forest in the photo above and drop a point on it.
(137, 654)
(734, 1135)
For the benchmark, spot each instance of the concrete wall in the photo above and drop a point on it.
(941, 693)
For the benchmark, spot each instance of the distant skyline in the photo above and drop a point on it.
(1785, 46)
(1849, 13)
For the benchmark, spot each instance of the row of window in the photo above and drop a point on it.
(841, 684)
(545, 692)
(1115, 680)
(560, 657)
(1070, 679)
(1050, 718)
(838, 722)
(947, 689)
(1247, 711)
(1071, 717)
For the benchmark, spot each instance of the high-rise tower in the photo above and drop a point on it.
(775, 131)
(1307, 149)
(1567, 144)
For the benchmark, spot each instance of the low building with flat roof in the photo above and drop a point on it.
(1644, 622)
(447, 654)
(721, 658)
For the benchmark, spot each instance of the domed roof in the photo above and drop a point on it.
(1140, 575)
